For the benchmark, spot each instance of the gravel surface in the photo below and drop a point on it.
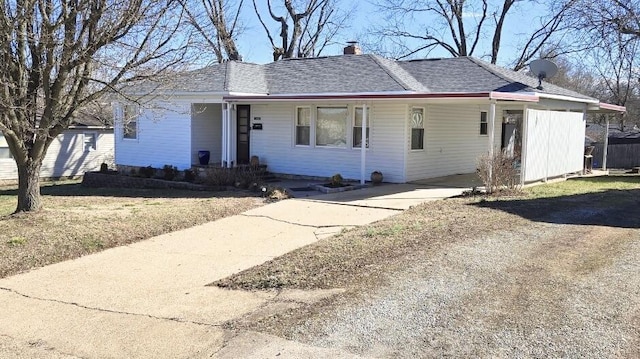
(546, 290)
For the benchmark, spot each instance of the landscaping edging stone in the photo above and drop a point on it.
(322, 188)
(115, 180)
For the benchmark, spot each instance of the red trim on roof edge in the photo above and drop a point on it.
(453, 95)
(608, 106)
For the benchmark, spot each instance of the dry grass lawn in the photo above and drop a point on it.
(78, 220)
(364, 253)
(549, 273)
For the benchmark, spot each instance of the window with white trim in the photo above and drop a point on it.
(90, 141)
(483, 123)
(417, 128)
(130, 122)
(303, 126)
(331, 126)
(5, 153)
(357, 128)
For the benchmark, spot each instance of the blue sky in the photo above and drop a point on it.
(255, 47)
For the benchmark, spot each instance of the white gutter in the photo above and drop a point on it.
(566, 98)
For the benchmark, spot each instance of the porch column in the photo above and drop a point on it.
(228, 134)
(606, 144)
(492, 136)
(492, 128)
(223, 160)
(523, 145)
(363, 145)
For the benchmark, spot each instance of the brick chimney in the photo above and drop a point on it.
(352, 48)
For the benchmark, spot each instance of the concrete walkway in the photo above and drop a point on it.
(150, 299)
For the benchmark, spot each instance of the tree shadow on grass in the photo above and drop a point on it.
(612, 208)
(78, 190)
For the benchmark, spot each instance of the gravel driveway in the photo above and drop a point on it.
(545, 290)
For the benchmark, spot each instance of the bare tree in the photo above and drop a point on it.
(58, 56)
(305, 32)
(613, 40)
(217, 23)
(459, 27)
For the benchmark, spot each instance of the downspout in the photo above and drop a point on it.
(606, 145)
(363, 145)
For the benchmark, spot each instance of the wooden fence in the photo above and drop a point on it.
(618, 155)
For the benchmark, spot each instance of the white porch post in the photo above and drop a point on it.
(606, 145)
(492, 136)
(228, 134)
(523, 145)
(363, 145)
(223, 160)
(492, 128)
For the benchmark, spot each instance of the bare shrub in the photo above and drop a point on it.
(219, 177)
(247, 177)
(240, 177)
(499, 172)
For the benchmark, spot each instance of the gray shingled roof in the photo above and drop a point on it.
(467, 74)
(334, 74)
(357, 74)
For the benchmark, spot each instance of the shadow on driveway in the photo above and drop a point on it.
(611, 208)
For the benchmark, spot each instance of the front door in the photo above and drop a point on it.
(243, 120)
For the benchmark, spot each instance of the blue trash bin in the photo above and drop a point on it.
(204, 157)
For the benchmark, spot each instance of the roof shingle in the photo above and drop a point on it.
(358, 74)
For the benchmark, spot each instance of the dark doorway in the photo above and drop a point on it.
(244, 120)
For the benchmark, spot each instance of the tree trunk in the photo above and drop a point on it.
(29, 199)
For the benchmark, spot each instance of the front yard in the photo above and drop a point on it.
(78, 220)
(552, 273)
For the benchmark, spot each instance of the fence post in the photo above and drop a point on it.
(606, 145)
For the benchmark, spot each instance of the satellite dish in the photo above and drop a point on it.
(543, 69)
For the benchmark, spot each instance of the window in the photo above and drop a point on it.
(130, 122)
(417, 128)
(331, 126)
(303, 126)
(90, 141)
(357, 128)
(483, 123)
(5, 153)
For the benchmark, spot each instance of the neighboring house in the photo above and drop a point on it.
(80, 148)
(421, 118)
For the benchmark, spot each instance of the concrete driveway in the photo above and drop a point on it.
(150, 299)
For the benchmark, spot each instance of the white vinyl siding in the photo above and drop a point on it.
(206, 131)
(554, 145)
(452, 142)
(275, 144)
(67, 156)
(164, 138)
